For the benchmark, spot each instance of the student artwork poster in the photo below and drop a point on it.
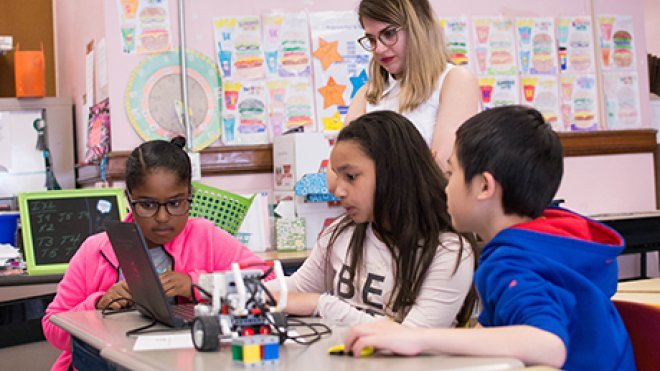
(456, 33)
(286, 45)
(152, 33)
(244, 117)
(617, 42)
(536, 46)
(128, 24)
(290, 105)
(579, 102)
(498, 91)
(340, 65)
(238, 47)
(288, 66)
(622, 100)
(540, 92)
(494, 46)
(576, 45)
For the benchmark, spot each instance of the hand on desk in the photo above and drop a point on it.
(176, 284)
(384, 335)
(116, 291)
(299, 303)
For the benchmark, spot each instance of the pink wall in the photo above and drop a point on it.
(652, 26)
(199, 16)
(74, 29)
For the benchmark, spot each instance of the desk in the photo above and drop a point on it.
(641, 232)
(23, 300)
(107, 335)
(640, 286)
(291, 260)
(640, 291)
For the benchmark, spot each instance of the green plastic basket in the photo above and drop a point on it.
(225, 209)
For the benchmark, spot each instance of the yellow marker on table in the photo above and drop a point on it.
(338, 350)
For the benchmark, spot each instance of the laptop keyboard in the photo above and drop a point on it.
(184, 311)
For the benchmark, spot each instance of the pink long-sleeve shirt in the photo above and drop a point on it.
(201, 247)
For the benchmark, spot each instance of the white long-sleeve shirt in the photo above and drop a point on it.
(439, 300)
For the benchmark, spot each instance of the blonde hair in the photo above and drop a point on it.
(424, 62)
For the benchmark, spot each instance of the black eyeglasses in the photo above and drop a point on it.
(147, 208)
(387, 36)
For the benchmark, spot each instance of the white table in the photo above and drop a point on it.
(107, 335)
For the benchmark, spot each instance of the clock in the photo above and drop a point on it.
(154, 103)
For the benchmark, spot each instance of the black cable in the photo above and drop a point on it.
(271, 299)
(266, 273)
(315, 335)
(294, 322)
(200, 289)
(107, 311)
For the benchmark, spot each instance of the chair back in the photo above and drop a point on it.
(643, 324)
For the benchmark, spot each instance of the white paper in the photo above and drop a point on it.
(8, 252)
(89, 79)
(497, 91)
(257, 224)
(457, 39)
(160, 342)
(101, 70)
(340, 65)
(617, 42)
(575, 36)
(537, 51)
(622, 100)
(494, 45)
(285, 209)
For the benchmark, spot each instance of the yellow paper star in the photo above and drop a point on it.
(332, 123)
(327, 53)
(332, 93)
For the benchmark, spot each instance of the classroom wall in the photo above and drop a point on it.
(652, 26)
(200, 13)
(76, 23)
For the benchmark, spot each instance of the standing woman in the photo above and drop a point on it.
(410, 73)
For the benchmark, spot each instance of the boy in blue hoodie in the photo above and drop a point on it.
(546, 275)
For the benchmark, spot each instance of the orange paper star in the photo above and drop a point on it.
(332, 93)
(327, 53)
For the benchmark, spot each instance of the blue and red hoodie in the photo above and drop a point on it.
(558, 273)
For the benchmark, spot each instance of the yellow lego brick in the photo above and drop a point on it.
(252, 353)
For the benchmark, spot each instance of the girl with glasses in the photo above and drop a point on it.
(158, 187)
(410, 72)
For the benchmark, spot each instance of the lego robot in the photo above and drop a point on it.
(239, 306)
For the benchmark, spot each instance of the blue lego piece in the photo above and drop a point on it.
(271, 351)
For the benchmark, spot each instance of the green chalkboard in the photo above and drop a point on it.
(55, 223)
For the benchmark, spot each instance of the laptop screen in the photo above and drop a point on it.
(132, 253)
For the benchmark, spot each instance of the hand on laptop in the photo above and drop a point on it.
(176, 284)
(116, 291)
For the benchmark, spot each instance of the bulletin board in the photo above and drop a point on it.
(570, 99)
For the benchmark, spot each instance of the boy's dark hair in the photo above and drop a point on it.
(158, 154)
(520, 150)
(410, 204)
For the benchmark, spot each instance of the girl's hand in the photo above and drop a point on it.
(176, 284)
(385, 335)
(299, 303)
(116, 291)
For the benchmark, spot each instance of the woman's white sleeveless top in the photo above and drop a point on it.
(424, 116)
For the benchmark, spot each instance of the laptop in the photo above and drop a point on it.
(132, 253)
